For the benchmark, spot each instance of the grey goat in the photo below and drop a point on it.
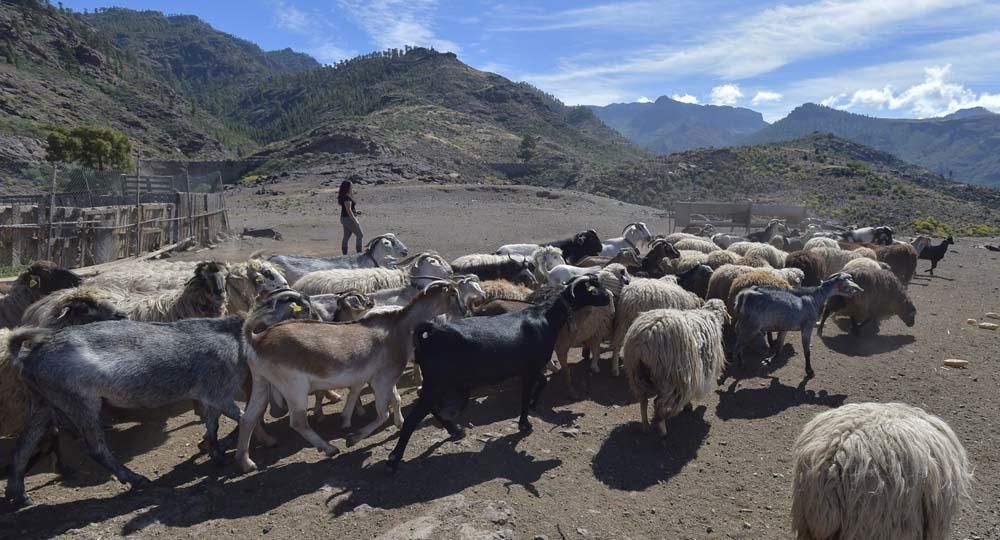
(130, 364)
(766, 309)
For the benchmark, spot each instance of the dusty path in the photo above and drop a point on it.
(587, 471)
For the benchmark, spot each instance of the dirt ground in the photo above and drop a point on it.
(587, 471)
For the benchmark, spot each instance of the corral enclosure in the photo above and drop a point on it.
(109, 217)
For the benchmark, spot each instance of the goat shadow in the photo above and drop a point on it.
(633, 460)
(429, 476)
(868, 345)
(756, 403)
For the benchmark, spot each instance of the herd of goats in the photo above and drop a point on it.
(681, 312)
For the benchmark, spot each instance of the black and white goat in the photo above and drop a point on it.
(459, 356)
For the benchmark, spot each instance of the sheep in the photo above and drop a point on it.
(40, 279)
(696, 244)
(204, 295)
(628, 257)
(643, 295)
(296, 357)
(833, 260)
(774, 227)
(461, 355)
(673, 238)
(934, 254)
(761, 309)
(774, 257)
(382, 252)
(718, 258)
(501, 289)
(488, 266)
(819, 241)
(634, 235)
(676, 356)
(880, 471)
(580, 245)
(884, 296)
(590, 325)
(725, 240)
(129, 364)
(870, 235)
(62, 308)
(810, 263)
(544, 260)
(369, 280)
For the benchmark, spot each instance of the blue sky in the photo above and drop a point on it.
(892, 58)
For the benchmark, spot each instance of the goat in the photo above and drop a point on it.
(458, 356)
(774, 227)
(634, 235)
(870, 235)
(762, 309)
(297, 357)
(40, 279)
(580, 245)
(381, 252)
(934, 254)
(129, 364)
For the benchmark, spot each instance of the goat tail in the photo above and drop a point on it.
(421, 333)
(27, 338)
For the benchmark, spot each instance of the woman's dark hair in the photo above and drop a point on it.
(345, 187)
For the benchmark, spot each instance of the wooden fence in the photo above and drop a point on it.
(733, 215)
(104, 228)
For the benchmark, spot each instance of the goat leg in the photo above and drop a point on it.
(527, 390)
(39, 424)
(419, 411)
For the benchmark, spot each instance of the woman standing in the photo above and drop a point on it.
(348, 217)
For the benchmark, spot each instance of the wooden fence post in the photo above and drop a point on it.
(52, 213)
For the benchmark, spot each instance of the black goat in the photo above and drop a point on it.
(934, 254)
(582, 244)
(458, 356)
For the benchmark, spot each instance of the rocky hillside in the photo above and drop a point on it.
(961, 146)
(666, 126)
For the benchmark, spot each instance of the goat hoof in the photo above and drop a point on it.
(19, 500)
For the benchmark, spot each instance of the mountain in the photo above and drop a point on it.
(962, 146)
(666, 126)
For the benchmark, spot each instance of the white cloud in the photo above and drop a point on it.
(765, 96)
(685, 98)
(935, 96)
(726, 94)
(770, 39)
(289, 17)
(643, 99)
(395, 23)
(330, 53)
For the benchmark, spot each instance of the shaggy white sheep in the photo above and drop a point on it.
(879, 471)
(643, 295)
(676, 356)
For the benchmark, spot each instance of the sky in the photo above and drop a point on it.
(888, 58)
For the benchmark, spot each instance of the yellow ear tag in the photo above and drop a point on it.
(33, 283)
(295, 307)
(260, 278)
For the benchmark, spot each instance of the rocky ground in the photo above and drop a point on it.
(587, 471)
